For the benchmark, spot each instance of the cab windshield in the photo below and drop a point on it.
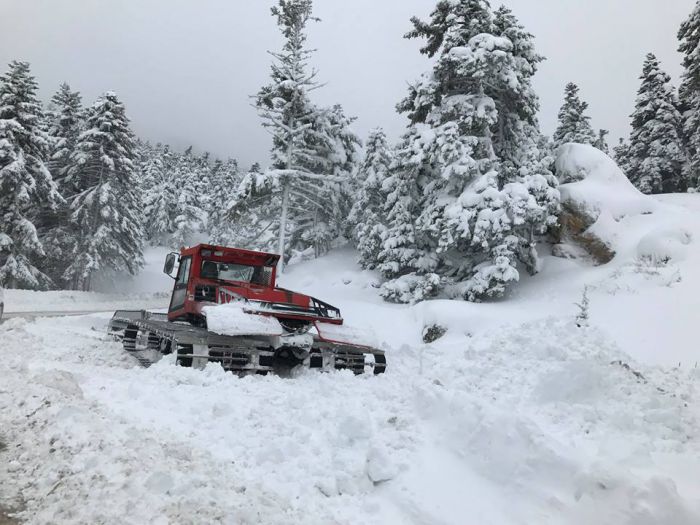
(221, 271)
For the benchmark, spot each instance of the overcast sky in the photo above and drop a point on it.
(186, 68)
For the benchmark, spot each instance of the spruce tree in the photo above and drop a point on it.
(472, 188)
(621, 154)
(525, 155)
(190, 215)
(366, 219)
(689, 95)
(26, 186)
(601, 142)
(107, 206)
(225, 180)
(64, 127)
(574, 123)
(402, 252)
(160, 194)
(252, 212)
(309, 145)
(656, 155)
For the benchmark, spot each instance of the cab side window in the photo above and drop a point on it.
(183, 274)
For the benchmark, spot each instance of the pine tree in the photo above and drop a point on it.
(327, 200)
(601, 142)
(160, 194)
(402, 252)
(656, 156)
(525, 156)
(25, 182)
(689, 95)
(64, 127)
(252, 212)
(64, 130)
(225, 180)
(574, 123)
(310, 145)
(621, 154)
(472, 187)
(366, 219)
(107, 206)
(189, 216)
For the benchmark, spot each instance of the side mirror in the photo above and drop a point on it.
(169, 268)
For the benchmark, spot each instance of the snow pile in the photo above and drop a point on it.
(232, 319)
(549, 418)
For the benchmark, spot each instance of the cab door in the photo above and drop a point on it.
(177, 301)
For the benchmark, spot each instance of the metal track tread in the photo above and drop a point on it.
(148, 337)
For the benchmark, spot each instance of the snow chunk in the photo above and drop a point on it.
(379, 465)
(60, 380)
(344, 334)
(233, 319)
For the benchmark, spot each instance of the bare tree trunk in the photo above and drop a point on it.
(283, 227)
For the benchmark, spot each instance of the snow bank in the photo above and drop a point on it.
(537, 423)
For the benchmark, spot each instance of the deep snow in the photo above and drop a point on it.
(515, 416)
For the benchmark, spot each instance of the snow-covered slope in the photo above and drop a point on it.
(517, 415)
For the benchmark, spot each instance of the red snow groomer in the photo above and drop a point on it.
(226, 308)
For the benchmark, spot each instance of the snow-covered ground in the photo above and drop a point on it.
(149, 289)
(515, 416)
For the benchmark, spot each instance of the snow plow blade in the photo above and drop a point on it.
(149, 336)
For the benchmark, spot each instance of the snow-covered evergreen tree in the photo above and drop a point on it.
(310, 151)
(225, 180)
(471, 186)
(26, 186)
(525, 156)
(107, 206)
(656, 154)
(252, 212)
(64, 129)
(366, 218)
(64, 125)
(689, 95)
(574, 124)
(327, 197)
(160, 194)
(601, 142)
(190, 213)
(621, 154)
(402, 251)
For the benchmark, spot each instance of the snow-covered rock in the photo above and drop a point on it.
(594, 181)
(602, 210)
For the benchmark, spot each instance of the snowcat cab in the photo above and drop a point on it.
(209, 275)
